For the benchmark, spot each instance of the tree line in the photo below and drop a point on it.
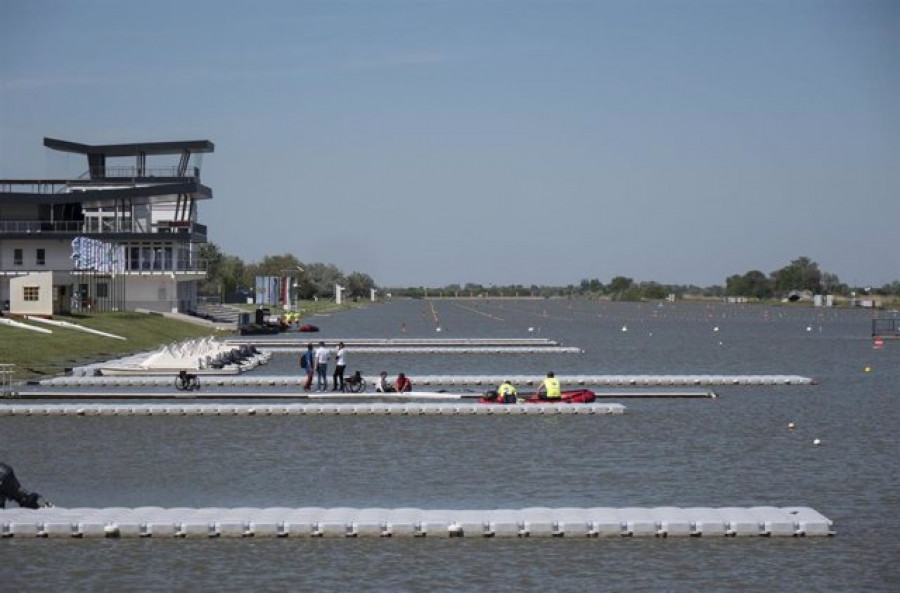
(230, 277)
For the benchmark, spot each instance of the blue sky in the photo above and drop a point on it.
(494, 142)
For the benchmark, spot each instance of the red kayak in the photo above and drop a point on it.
(308, 328)
(573, 396)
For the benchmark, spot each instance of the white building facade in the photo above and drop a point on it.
(122, 236)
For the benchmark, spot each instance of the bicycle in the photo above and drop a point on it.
(355, 383)
(185, 381)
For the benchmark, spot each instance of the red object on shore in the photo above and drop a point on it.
(573, 396)
(308, 328)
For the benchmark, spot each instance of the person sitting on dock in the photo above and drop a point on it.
(11, 489)
(507, 393)
(382, 385)
(549, 388)
(402, 384)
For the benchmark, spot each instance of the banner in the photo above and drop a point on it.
(97, 256)
(271, 290)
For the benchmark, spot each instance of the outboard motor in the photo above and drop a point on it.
(11, 489)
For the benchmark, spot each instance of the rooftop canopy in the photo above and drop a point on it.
(125, 150)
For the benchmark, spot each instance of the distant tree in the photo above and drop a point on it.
(892, 289)
(620, 284)
(753, 284)
(359, 285)
(591, 286)
(231, 275)
(831, 284)
(211, 259)
(319, 280)
(800, 274)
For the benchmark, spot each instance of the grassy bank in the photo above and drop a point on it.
(38, 355)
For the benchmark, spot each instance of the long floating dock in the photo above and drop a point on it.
(267, 342)
(436, 349)
(451, 380)
(347, 409)
(345, 522)
(111, 394)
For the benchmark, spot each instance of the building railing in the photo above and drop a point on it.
(117, 174)
(176, 266)
(91, 226)
(34, 187)
(131, 172)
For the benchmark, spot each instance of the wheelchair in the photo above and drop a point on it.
(355, 383)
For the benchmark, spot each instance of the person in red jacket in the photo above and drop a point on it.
(402, 384)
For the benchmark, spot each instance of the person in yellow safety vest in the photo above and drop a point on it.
(506, 393)
(550, 388)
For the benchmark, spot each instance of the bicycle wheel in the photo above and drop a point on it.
(357, 386)
(179, 383)
(195, 383)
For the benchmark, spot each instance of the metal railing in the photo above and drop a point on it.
(91, 226)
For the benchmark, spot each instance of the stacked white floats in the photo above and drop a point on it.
(351, 409)
(344, 522)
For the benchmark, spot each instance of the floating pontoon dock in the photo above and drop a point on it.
(437, 349)
(344, 522)
(451, 380)
(112, 394)
(347, 409)
(301, 341)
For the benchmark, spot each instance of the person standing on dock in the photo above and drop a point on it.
(340, 363)
(323, 355)
(308, 364)
(549, 388)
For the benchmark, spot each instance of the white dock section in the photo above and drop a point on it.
(436, 349)
(303, 340)
(114, 394)
(342, 522)
(567, 381)
(318, 409)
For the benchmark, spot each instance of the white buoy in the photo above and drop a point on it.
(437, 329)
(624, 328)
(531, 329)
(715, 329)
(790, 425)
(809, 328)
(817, 442)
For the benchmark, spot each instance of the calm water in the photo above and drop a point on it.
(735, 450)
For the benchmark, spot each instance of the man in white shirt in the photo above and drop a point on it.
(323, 355)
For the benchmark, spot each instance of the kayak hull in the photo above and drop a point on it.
(572, 396)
